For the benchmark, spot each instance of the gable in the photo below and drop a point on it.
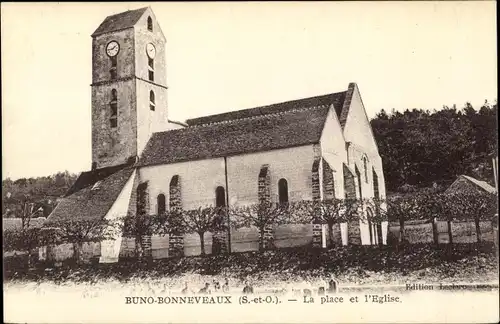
(142, 23)
(355, 123)
(469, 184)
(332, 140)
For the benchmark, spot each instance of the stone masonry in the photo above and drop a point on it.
(349, 183)
(264, 193)
(176, 238)
(316, 195)
(142, 211)
(328, 182)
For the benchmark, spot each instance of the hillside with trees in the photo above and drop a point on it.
(420, 147)
(34, 193)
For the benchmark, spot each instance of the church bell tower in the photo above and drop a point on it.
(129, 92)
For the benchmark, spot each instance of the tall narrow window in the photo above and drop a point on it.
(283, 191)
(220, 197)
(365, 166)
(152, 104)
(113, 119)
(151, 69)
(142, 198)
(358, 175)
(113, 69)
(175, 201)
(161, 204)
(150, 24)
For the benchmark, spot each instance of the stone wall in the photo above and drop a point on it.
(328, 182)
(349, 184)
(266, 237)
(176, 240)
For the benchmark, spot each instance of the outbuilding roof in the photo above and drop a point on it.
(92, 202)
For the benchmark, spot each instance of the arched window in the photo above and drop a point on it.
(283, 191)
(152, 100)
(113, 104)
(150, 24)
(365, 167)
(358, 175)
(220, 197)
(175, 193)
(142, 198)
(151, 69)
(113, 69)
(161, 203)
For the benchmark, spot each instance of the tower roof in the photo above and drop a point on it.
(120, 21)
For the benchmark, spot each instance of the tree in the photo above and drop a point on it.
(80, 231)
(170, 222)
(139, 226)
(202, 220)
(434, 206)
(406, 142)
(333, 211)
(474, 205)
(400, 209)
(378, 206)
(24, 239)
(27, 237)
(173, 224)
(263, 216)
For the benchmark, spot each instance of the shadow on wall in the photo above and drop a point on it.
(242, 240)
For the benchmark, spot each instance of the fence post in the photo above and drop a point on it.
(435, 231)
(450, 235)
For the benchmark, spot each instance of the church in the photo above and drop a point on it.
(303, 149)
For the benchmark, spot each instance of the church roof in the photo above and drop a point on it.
(92, 202)
(337, 99)
(287, 124)
(120, 21)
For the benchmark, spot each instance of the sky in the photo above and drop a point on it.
(225, 56)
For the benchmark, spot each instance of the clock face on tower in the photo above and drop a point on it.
(151, 50)
(113, 48)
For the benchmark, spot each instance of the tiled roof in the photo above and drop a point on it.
(481, 184)
(89, 178)
(120, 21)
(337, 99)
(247, 132)
(92, 202)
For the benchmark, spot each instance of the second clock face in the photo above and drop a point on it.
(113, 48)
(151, 50)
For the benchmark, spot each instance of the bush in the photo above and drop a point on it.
(280, 263)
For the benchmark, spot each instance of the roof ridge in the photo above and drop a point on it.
(255, 117)
(262, 109)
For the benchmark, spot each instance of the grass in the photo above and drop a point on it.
(356, 265)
